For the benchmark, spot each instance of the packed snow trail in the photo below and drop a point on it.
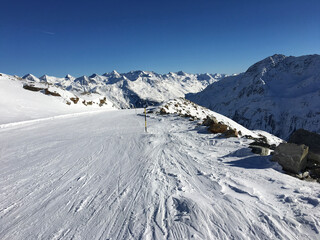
(99, 176)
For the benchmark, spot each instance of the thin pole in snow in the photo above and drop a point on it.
(145, 119)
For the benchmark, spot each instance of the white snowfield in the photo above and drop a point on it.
(99, 176)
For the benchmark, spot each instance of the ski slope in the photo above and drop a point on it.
(99, 176)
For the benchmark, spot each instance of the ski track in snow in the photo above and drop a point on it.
(99, 176)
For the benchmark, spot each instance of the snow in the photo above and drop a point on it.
(18, 104)
(100, 176)
(278, 94)
(135, 88)
(183, 107)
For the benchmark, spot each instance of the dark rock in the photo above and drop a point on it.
(315, 174)
(102, 101)
(163, 111)
(311, 139)
(231, 133)
(218, 128)
(32, 88)
(292, 157)
(74, 100)
(209, 120)
(262, 143)
(47, 92)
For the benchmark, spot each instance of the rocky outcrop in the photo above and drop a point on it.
(231, 133)
(75, 100)
(32, 88)
(312, 140)
(47, 92)
(209, 120)
(218, 128)
(292, 157)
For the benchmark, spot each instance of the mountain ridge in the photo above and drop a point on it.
(278, 94)
(134, 88)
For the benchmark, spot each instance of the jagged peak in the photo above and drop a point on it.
(44, 77)
(181, 73)
(94, 75)
(113, 74)
(68, 76)
(29, 75)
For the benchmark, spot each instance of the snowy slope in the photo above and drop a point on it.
(99, 176)
(278, 94)
(184, 107)
(135, 88)
(18, 104)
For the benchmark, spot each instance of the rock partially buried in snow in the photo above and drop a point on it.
(209, 120)
(218, 128)
(217, 122)
(312, 140)
(292, 157)
(231, 133)
(263, 151)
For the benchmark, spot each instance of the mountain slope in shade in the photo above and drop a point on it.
(278, 94)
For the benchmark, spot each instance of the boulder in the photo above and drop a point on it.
(75, 100)
(209, 120)
(47, 92)
(163, 111)
(292, 157)
(311, 139)
(261, 142)
(231, 133)
(218, 128)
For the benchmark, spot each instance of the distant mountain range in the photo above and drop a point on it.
(278, 94)
(135, 88)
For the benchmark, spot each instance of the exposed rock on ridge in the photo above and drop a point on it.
(278, 94)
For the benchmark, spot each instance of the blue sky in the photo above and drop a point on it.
(84, 37)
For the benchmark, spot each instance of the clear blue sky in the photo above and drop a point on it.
(82, 37)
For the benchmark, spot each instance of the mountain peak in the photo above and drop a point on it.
(266, 63)
(181, 73)
(31, 77)
(68, 76)
(43, 77)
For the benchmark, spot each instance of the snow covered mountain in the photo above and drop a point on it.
(25, 100)
(135, 88)
(278, 94)
(99, 175)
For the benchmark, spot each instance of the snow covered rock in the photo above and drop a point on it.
(292, 157)
(216, 122)
(278, 94)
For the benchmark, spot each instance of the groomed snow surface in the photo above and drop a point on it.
(99, 176)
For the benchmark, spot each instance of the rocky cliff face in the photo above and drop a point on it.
(278, 94)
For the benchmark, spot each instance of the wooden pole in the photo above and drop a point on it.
(145, 119)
